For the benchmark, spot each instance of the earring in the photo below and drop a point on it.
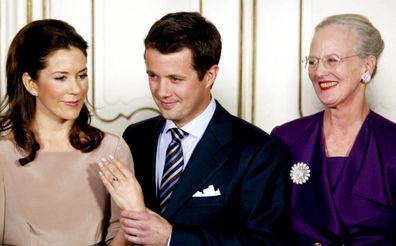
(366, 78)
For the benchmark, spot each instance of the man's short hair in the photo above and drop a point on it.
(191, 30)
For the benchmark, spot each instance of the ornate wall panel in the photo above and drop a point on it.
(277, 62)
(13, 15)
(120, 92)
(227, 84)
(261, 78)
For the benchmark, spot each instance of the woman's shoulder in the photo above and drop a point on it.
(298, 125)
(7, 143)
(111, 140)
(383, 127)
(382, 121)
(9, 151)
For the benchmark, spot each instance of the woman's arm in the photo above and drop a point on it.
(119, 239)
(122, 185)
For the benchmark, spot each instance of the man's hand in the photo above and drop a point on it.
(145, 227)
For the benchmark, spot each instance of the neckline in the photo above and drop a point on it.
(352, 146)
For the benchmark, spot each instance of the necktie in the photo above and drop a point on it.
(173, 166)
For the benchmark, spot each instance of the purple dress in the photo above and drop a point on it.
(346, 200)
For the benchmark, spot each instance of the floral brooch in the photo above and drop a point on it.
(300, 173)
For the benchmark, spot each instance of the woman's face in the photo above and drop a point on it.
(336, 76)
(62, 86)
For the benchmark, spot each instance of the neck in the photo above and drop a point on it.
(341, 127)
(53, 136)
(346, 117)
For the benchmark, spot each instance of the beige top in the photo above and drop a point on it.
(58, 199)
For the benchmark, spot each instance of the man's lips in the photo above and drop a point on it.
(167, 104)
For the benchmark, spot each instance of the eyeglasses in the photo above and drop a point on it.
(329, 62)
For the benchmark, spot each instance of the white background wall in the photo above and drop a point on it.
(260, 70)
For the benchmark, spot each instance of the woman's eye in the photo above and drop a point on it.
(333, 60)
(61, 78)
(312, 62)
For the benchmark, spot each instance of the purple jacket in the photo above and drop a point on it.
(355, 206)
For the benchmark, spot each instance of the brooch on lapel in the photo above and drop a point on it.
(300, 173)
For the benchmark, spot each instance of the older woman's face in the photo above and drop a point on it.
(336, 77)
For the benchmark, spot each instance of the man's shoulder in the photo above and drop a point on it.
(142, 126)
(238, 131)
(247, 128)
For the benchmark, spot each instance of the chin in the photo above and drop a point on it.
(329, 104)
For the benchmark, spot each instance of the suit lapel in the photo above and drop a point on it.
(149, 165)
(205, 161)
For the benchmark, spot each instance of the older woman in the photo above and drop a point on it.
(50, 193)
(344, 161)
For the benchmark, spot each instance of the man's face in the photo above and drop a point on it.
(175, 86)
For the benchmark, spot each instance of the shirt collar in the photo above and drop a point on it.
(197, 126)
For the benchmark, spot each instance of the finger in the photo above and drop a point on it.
(131, 231)
(132, 215)
(134, 239)
(129, 221)
(121, 167)
(113, 170)
(107, 174)
(106, 183)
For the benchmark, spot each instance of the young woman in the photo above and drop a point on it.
(50, 193)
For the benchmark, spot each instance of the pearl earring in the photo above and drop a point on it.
(366, 78)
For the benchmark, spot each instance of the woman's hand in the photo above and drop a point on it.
(122, 185)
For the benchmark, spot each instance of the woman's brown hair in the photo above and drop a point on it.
(28, 53)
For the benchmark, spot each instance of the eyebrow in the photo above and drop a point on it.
(63, 72)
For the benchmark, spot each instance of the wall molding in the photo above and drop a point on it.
(93, 89)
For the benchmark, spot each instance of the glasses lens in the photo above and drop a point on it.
(311, 62)
(332, 60)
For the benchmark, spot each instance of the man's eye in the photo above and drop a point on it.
(83, 76)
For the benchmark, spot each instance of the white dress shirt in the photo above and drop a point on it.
(195, 130)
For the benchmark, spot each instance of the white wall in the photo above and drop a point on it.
(261, 52)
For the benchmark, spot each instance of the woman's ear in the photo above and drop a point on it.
(30, 84)
(370, 64)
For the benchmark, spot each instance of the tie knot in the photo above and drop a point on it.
(177, 133)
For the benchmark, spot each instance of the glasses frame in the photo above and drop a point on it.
(325, 63)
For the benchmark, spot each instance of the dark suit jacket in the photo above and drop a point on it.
(246, 164)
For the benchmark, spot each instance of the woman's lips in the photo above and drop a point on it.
(326, 85)
(72, 103)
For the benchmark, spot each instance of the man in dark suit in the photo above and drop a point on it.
(222, 181)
